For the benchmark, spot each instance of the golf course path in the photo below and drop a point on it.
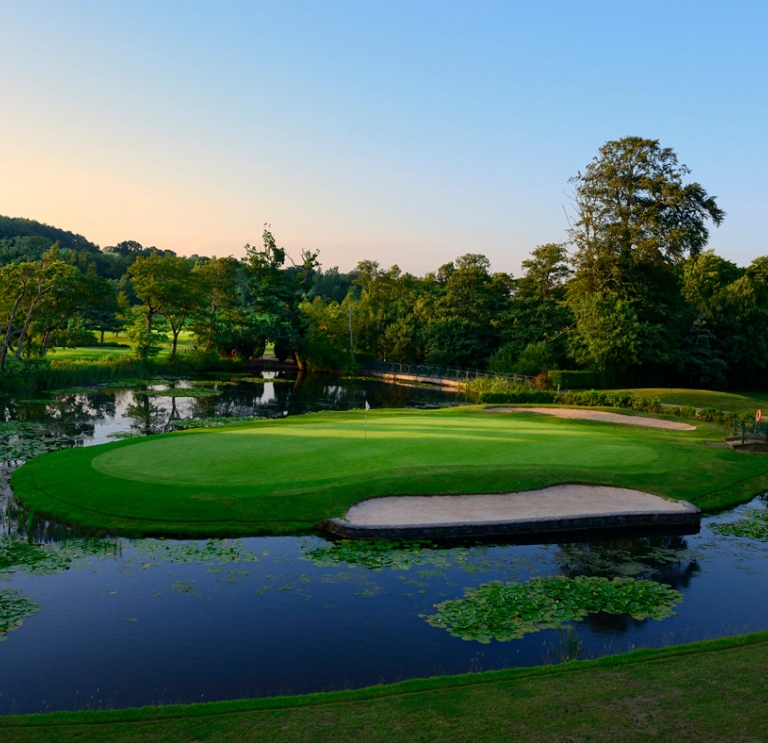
(599, 415)
(558, 501)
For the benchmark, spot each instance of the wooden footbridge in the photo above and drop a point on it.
(441, 376)
(749, 436)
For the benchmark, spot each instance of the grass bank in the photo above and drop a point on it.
(708, 691)
(58, 373)
(284, 476)
(733, 401)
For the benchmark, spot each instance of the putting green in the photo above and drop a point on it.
(284, 476)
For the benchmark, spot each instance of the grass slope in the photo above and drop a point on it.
(710, 691)
(95, 353)
(284, 476)
(705, 398)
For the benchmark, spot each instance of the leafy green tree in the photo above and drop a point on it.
(71, 297)
(277, 292)
(537, 314)
(385, 323)
(332, 285)
(463, 324)
(636, 223)
(633, 207)
(104, 307)
(223, 322)
(15, 283)
(611, 337)
(326, 344)
(25, 288)
(165, 285)
(728, 315)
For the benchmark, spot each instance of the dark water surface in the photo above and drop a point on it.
(135, 622)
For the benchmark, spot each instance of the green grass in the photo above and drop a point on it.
(94, 353)
(714, 691)
(705, 398)
(284, 476)
(90, 353)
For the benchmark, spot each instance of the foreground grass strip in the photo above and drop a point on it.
(709, 691)
(283, 476)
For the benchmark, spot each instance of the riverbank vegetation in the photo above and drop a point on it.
(675, 694)
(630, 297)
(283, 476)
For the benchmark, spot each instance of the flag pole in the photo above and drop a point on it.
(367, 408)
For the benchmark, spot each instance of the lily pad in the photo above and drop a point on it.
(508, 611)
(14, 609)
(753, 525)
(382, 553)
(181, 392)
(212, 552)
(20, 556)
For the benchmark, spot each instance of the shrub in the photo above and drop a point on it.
(520, 396)
(542, 382)
(573, 380)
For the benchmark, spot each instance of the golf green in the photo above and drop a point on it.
(284, 476)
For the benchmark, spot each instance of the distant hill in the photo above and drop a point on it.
(15, 227)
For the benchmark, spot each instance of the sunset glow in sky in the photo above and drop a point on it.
(404, 132)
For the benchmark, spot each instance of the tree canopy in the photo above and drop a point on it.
(633, 292)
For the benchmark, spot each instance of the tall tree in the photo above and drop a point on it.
(166, 286)
(636, 223)
(463, 325)
(220, 286)
(538, 316)
(277, 291)
(632, 207)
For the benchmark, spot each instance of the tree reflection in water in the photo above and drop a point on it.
(665, 559)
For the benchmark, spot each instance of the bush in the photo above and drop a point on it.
(73, 338)
(497, 385)
(520, 396)
(542, 382)
(503, 358)
(534, 359)
(575, 380)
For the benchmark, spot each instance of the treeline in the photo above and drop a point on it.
(631, 294)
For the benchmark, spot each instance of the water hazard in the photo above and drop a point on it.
(93, 622)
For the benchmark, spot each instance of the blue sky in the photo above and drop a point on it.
(404, 132)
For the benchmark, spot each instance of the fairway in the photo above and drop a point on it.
(284, 476)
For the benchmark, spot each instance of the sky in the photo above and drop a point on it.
(403, 132)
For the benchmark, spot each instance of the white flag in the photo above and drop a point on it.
(367, 406)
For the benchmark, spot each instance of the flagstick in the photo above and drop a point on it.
(365, 435)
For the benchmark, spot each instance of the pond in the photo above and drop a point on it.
(106, 622)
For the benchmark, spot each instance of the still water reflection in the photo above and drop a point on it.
(113, 622)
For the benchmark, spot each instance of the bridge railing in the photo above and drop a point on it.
(447, 373)
(750, 431)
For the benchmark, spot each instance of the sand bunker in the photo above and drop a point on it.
(557, 501)
(599, 415)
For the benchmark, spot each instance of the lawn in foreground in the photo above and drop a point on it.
(712, 691)
(284, 476)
